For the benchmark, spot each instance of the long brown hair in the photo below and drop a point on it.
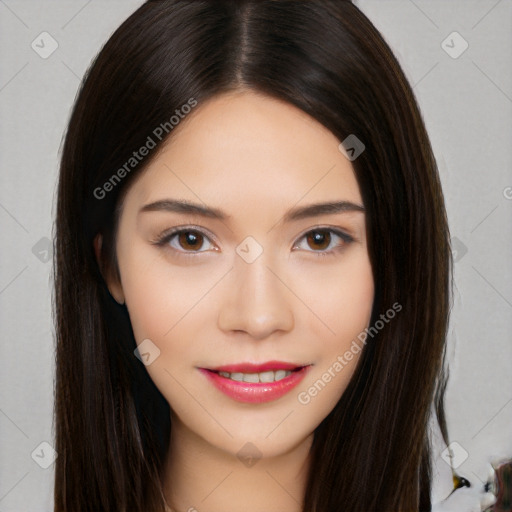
(112, 425)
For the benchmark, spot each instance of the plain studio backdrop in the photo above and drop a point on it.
(457, 55)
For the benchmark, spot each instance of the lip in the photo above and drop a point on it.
(259, 392)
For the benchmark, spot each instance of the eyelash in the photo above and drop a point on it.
(165, 237)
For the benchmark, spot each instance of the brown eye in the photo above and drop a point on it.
(323, 241)
(318, 240)
(190, 240)
(186, 241)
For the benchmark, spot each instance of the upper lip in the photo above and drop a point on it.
(257, 367)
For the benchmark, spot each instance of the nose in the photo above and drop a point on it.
(256, 300)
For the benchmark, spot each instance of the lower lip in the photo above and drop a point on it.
(255, 392)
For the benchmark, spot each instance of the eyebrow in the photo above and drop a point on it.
(297, 213)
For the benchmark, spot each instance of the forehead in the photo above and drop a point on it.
(244, 149)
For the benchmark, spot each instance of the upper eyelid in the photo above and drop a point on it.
(178, 229)
(337, 231)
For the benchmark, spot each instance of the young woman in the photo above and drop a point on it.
(252, 273)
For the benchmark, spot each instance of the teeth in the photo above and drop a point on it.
(269, 376)
(252, 377)
(281, 374)
(266, 376)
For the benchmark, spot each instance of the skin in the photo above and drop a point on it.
(203, 305)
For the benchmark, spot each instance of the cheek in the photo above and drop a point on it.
(340, 296)
(343, 302)
(162, 297)
(166, 305)
(171, 306)
(353, 307)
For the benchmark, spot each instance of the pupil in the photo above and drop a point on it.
(189, 239)
(320, 237)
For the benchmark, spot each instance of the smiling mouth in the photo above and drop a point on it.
(256, 382)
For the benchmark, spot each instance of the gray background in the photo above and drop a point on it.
(467, 105)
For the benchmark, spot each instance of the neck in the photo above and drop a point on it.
(200, 476)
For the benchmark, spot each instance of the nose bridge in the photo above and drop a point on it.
(257, 301)
(256, 280)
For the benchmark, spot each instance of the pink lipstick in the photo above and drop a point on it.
(256, 383)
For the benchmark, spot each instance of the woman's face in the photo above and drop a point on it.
(255, 284)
